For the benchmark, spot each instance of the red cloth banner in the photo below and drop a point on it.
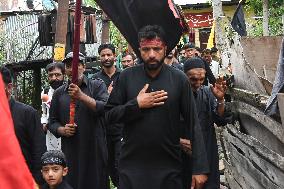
(14, 172)
(199, 20)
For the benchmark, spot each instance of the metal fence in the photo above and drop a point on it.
(20, 34)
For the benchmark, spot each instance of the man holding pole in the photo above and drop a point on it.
(83, 142)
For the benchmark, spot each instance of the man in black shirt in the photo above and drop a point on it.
(28, 129)
(149, 99)
(109, 74)
(84, 143)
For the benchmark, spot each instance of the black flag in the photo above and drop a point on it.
(131, 15)
(238, 23)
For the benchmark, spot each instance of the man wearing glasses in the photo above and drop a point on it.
(55, 73)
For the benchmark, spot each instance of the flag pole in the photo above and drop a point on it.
(75, 60)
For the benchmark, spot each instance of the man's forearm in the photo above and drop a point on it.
(88, 101)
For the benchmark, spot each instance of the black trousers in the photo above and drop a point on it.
(114, 146)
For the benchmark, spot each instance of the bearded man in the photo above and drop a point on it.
(109, 74)
(55, 73)
(149, 99)
(84, 142)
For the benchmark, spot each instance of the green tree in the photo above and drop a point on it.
(117, 39)
(276, 10)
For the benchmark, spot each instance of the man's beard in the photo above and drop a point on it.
(153, 67)
(108, 64)
(56, 84)
(125, 66)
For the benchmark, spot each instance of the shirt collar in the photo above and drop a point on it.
(117, 70)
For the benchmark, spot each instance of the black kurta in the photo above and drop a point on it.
(113, 131)
(151, 154)
(207, 113)
(30, 135)
(86, 151)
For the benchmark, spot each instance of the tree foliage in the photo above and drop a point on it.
(276, 10)
(117, 39)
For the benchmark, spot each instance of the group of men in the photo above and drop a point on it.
(148, 126)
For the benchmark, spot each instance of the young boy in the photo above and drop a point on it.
(54, 169)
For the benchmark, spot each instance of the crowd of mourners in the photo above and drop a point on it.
(149, 125)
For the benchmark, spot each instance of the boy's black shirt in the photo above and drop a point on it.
(62, 185)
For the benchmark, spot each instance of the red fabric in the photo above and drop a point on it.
(155, 42)
(14, 172)
(199, 20)
(171, 5)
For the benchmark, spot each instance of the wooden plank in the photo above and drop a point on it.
(254, 99)
(232, 182)
(271, 125)
(234, 179)
(253, 176)
(280, 99)
(257, 147)
(269, 179)
(270, 170)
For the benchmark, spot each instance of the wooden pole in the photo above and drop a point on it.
(105, 29)
(75, 61)
(61, 30)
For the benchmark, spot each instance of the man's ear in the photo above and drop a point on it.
(166, 47)
(65, 171)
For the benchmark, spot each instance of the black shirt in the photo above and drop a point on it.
(62, 185)
(103, 76)
(86, 151)
(151, 154)
(114, 130)
(30, 135)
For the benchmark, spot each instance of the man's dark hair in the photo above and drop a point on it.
(6, 75)
(106, 46)
(214, 50)
(206, 51)
(54, 65)
(198, 49)
(151, 32)
(124, 54)
(189, 46)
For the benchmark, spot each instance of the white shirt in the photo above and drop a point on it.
(52, 143)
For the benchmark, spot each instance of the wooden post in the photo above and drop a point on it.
(265, 18)
(105, 29)
(61, 30)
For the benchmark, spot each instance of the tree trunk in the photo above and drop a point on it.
(220, 38)
(265, 18)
